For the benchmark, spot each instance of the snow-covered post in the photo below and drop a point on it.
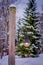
(12, 35)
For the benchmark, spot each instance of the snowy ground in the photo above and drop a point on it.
(24, 61)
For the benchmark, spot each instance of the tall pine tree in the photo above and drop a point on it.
(30, 25)
(19, 26)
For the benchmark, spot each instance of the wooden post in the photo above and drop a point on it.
(12, 35)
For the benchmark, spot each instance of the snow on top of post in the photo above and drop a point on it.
(12, 5)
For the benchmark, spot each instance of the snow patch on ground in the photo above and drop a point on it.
(24, 61)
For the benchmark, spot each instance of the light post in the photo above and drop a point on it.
(27, 44)
(26, 41)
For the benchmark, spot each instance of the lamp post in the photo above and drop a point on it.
(26, 41)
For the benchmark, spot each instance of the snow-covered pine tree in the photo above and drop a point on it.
(19, 26)
(30, 25)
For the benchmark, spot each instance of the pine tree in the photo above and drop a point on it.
(19, 30)
(30, 25)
